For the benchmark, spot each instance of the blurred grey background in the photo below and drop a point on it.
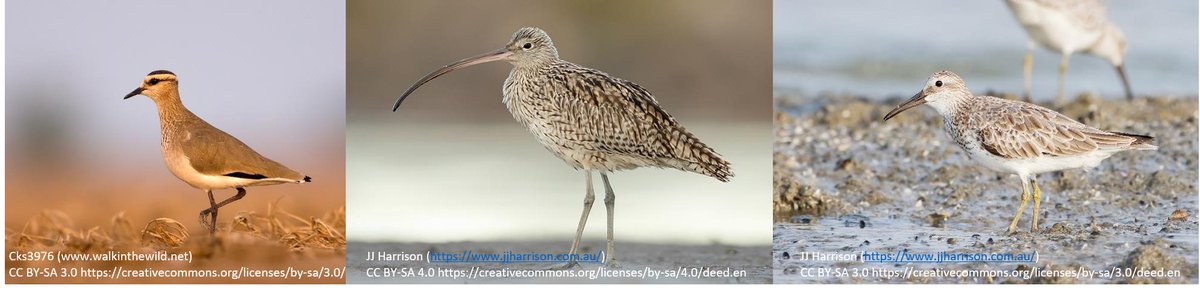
(452, 164)
(890, 48)
(268, 72)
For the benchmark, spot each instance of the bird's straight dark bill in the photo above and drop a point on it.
(915, 101)
(134, 93)
(497, 55)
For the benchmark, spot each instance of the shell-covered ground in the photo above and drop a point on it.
(847, 182)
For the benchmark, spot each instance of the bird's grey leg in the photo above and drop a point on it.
(1012, 228)
(609, 201)
(588, 199)
(212, 226)
(1029, 71)
(1062, 78)
(1037, 203)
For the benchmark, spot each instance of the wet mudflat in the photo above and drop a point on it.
(847, 182)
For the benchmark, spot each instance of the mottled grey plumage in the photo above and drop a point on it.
(1017, 137)
(589, 119)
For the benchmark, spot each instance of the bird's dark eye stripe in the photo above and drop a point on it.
(155, 81)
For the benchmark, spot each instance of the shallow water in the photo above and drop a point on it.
(890, 49)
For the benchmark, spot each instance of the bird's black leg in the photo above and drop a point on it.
(211, 224)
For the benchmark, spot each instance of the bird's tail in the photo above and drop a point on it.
(1140, 142)
(699, 158)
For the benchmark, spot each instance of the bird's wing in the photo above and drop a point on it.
(1023, 130)
(1089, 14)
(619, 116)
(213, 152)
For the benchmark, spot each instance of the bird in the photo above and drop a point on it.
(1017, 137)
(203, 156)
(592, 121)
(1068, 27)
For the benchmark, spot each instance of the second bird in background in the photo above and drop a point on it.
(1067, 27)
(592, 121)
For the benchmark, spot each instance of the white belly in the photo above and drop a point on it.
(179, 165)
(1032, 166)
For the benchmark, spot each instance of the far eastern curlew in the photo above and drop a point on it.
(589, 119)
(1067, 27)
(1018, 137)
(202, 155)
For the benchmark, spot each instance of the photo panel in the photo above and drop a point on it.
(175, 142)
(913, 135)
(464, 181)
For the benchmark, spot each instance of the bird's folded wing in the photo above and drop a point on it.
(214, 152)
(1089, 14)
(1030, 131)
(620, 116)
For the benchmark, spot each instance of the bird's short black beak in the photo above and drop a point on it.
(134, 93)
(915, 101)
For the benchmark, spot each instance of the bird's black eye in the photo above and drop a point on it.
(528, 45)
(153, 81)
(938, 83)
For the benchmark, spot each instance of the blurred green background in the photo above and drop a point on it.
(452, 165)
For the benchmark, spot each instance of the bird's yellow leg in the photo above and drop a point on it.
(1029, 74)
(1012, 228)
(1062, 78)
(1037, 203)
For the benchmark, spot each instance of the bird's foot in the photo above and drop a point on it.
(204, 221)
(564, 266)
(213, 244)
(1012, 231)
(611, 263)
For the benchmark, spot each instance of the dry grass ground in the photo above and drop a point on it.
(274, 227)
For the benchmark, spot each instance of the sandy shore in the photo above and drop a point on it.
(847, 182)
(754, 260)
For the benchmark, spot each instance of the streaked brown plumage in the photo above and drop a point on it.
(597, 122)
(202, 155)
(592, 121)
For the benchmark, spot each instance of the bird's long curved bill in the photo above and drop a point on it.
(134, 93)
(915, 101)
(1124, 81)
(479, 59)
